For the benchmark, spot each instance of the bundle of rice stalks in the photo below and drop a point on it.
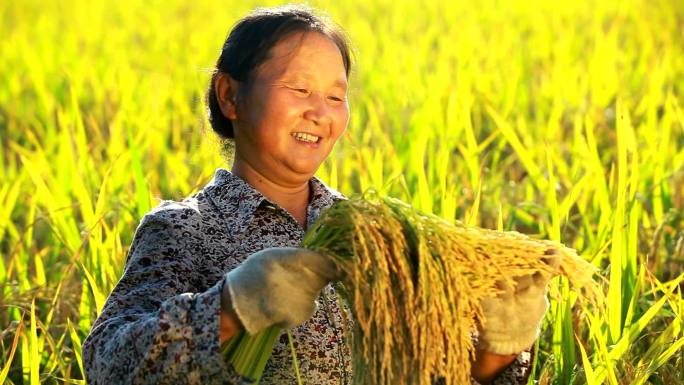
(414, 284)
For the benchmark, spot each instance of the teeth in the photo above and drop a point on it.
(305, 137)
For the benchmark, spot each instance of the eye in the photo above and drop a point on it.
(302, 91)
(336, 98)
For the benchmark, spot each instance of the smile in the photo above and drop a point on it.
(304, 137)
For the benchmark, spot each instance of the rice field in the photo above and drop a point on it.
(562, 120)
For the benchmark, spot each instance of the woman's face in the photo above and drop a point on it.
(295, 109)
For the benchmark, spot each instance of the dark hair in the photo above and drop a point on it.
(250, 41)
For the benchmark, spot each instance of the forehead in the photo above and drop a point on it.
(311, 54)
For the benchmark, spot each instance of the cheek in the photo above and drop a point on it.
(265, 104)
(283, 99)
(251, 110)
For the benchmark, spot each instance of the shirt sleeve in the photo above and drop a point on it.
(154, 329)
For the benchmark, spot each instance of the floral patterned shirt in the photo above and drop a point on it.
(160, 324)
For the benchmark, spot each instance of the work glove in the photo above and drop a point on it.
(277, 286)
(512, 319)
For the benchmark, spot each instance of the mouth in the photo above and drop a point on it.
(306, 137)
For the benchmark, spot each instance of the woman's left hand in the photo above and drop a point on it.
(513, 318)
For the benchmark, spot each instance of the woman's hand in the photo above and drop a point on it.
(229, 323)
(275, 286)
(488, 365)
(512, 319)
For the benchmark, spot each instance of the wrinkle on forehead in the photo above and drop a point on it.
(290, 46)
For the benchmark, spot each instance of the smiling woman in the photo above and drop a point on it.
(226, 259)
(293, 113)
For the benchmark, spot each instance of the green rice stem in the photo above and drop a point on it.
(295, 362)
(249, 353)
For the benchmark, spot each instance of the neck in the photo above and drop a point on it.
(293, 197)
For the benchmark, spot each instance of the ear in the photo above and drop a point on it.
(226, 91)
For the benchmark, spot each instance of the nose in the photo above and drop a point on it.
(318, 110)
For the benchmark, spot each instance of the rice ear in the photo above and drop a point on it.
(414, 282)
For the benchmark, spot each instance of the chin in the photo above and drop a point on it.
(305, 168)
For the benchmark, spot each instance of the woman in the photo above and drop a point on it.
(226, 258)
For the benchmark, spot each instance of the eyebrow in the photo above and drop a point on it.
(340, 83)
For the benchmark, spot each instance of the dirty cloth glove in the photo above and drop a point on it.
(513, 318)
(277, 286)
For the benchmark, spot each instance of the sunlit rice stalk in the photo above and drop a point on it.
(422, 270)
(414, 283)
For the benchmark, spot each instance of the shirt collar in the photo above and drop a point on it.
(322, 198)
(229, 192)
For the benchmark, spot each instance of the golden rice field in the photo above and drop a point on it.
(562, 120)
